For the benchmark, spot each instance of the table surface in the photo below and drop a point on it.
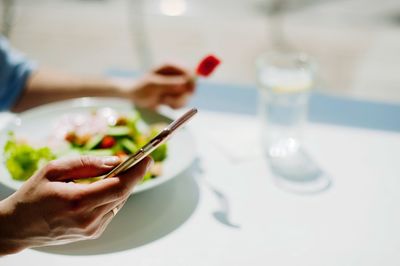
(228, 209)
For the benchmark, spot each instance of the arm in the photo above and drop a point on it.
(169, 84)
(47, 85)
(47, 210)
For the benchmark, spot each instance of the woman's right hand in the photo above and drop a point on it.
(47, 210)
(168, 84)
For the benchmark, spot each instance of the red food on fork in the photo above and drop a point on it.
(107, 142)
(207, 65)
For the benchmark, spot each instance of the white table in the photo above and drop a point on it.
(355, 222)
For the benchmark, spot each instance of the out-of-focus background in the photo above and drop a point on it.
(355, 42)
(256, 193)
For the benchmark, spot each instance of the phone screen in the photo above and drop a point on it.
(155, 142)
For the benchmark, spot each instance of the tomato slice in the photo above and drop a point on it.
(107, 142)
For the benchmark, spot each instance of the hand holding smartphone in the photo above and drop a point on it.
(162, 137)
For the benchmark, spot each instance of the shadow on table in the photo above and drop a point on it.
(222, 214)
(146, 217)
(5, 192)
(299, 173)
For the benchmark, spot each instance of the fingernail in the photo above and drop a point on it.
(111, 160)
(149, 164)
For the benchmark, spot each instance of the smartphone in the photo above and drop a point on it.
(162, 137)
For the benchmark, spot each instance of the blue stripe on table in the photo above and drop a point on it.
(324, 108)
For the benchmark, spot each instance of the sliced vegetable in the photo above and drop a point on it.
(129, 145)
(141, 140)
(107, 142)
(160, 154)
(94, 141)
(119, 131)
(132, 122)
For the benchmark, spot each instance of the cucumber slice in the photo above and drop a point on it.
(117, 147)
(99, 152)
(160, 154)
(93, 142)
(119, 131)
(132, 123)
(129, 145)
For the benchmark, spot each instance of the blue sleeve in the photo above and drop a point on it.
(14, 71)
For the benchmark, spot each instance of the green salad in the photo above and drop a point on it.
(103, 132)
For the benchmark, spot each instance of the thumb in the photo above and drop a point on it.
(80, 167)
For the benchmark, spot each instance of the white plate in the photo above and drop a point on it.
(36, 124)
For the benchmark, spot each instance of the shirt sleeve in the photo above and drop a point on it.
(14, 72)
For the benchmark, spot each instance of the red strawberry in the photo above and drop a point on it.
(207, 65)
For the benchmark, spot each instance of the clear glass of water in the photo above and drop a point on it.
(285, 81)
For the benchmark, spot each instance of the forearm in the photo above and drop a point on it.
(47, 85)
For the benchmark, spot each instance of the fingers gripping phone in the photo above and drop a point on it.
(155, 142)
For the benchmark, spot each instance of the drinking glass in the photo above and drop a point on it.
(285, 81)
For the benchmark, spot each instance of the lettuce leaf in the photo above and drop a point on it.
(22, 160)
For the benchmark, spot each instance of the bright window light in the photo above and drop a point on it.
(172, 7)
